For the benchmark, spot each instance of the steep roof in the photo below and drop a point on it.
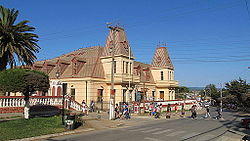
(121, 42)
(161, 58)
(87, 61)
(143, 70)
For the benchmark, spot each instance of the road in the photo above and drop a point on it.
(185, 129)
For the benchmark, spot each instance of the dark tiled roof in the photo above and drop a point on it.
(122, 45)
(161, 58)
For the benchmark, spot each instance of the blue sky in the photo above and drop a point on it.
(208, 40)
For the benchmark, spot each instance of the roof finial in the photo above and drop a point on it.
(161, 44)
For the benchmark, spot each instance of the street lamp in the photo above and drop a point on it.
(57, 76)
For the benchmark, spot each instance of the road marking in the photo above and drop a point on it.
(176, 133)
(205, 137)
(152, 139)
(190, 135)
(151, 130)
(140, 129)
(163, 131)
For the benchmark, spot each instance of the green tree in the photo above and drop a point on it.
(239, 88)
(17, 42)
(182, 89)
(212, 91)
(24, 81)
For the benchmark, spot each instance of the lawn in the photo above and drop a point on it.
(21, 128)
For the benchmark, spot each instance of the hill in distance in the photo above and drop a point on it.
(196, 88)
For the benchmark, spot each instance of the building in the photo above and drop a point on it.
(85, 74)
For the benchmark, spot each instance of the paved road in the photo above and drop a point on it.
(185, 129)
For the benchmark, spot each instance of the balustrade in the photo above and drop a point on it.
(18, 101)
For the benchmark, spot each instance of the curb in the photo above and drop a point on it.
(54, 135)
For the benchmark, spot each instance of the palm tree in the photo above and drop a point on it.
(17, 42)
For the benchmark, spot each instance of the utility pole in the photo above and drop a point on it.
(130, 65)
(205, 94)
(221, 98)
(112, 92)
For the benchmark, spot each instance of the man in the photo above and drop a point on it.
(207, 112)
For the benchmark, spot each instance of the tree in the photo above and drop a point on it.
(24, 81)
(182, 89)
(212, 91)
(16, 40)
(238, 88)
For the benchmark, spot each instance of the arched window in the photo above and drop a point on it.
(59, 91)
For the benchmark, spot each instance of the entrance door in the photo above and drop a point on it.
(100, 97)
(162, 95)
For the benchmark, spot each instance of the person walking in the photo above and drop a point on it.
(84, 108)
(207, 112)
(117, 111)
(219, 110)
(193, 111)
(158, 110)
(168, 113)
(92, 106)
(182, 111)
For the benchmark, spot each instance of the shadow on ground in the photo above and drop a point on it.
(44, 111)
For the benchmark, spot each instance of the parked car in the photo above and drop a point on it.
(245, 122)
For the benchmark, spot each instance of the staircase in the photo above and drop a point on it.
(15, 104)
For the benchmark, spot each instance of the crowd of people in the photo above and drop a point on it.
(122, 111)
(86, 108)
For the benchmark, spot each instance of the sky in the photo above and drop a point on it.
(208, 40)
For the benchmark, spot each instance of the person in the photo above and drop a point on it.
(151, 107)
(176, 108)
(182, 110)
(158, 110)
(117, 111)
(168, 113)
(125, 111)
(193, 111)
(207, 112)
(92, 106)
(84, 108)
(219, 112)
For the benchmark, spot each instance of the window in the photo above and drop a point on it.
(153, 95)
(123, 63)
(162, 95)
(114, 66)
(161, 75)
(126, 67)
(130, 68)
(73, 93)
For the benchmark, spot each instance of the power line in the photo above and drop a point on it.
(247, 9)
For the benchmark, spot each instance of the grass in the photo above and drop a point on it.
(21, 128)
(11, 117)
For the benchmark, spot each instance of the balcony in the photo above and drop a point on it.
(167, 83)
(124, 78)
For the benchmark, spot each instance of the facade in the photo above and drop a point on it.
(85, 74)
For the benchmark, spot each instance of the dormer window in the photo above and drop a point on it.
(77, 64)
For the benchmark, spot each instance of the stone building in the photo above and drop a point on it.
(85, 74)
